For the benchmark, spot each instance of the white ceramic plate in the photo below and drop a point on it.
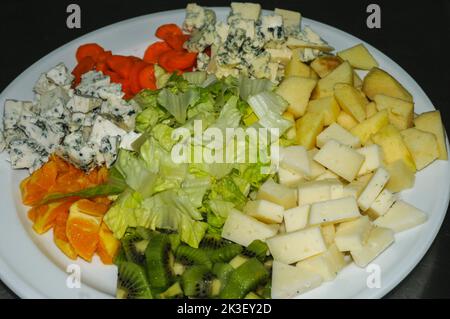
(33, 267)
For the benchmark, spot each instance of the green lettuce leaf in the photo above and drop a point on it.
(177, 103)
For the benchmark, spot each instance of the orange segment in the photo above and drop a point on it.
(60, 237)
(90, 208)
(108, 245)
(82, 231)
(45, 215)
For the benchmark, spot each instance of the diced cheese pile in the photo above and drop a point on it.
(71, 123)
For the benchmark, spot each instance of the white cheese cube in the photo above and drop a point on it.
(282, 56)
(373, 158)
(401, 216)
(373, 189)
(327, 175)
(295, 159)
(128, 139)
(262, 210)
(327, 264)
(243, 229)
(316, 168)
(357, 186)
(60, 75)
(334, 211)
(338, 133)
(353, 234)
(341, 159)
(278, 194)
(296, 218)
(246, 10)
(382, 203)
(289, 281)
(288, 178)
(317, 191)
(328, 233)
(291, 247)
(379, 239)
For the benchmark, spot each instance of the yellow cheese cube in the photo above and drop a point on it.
(373, 158)
(317, 191)
(278, 194)
(382, 203)
(379, 239)
(431, 122)
(327, 264)
(370, 126)
(316, 168)
(401, 216)
(328, 106)
(338, 133)
(327, 175)
(328, 233)
(291, 247)
(262, 210)
(296, 218)
(359, 57)
(308, 127)
(353, 234)
(243, 229)
(341, 159)
(288, 178)
(373, 188)
(334, 211)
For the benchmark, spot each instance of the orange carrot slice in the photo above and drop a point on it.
(92, 50)
(154, 51)
(168, 29)
(120, 64)
(177, 60)
(147, 77)
(135, 86)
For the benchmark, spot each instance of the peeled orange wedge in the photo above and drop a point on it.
(108, 245)
(44, 216)
(60, 237)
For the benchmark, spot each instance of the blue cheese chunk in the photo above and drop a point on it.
(77, 151)
(103, 127)
(202, 61)
(83, 104)
(195, 18)
(60, 75)
(43, 85)
(12, 112)
(271, 28)
(246, 10)
(41, 130)
(11, 134)
(96, 84)
(52, 104)
(201, 39)
(124, 112)
(291, 20)
(27, 153)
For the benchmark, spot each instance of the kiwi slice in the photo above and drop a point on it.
(159, 259)
(175, 241)
(213, 242)
(257, 248)
(132, 282)
(192, 256)
(197, 281)
(218, 249)
(145, 233)
(221, 271)
(244, 279)
(134, 246)
(173, 292)
(120, 257)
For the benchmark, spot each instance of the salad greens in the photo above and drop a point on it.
(192, 198)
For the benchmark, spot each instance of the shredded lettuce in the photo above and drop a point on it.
(177, 103)
(249, 87)
(196, 78)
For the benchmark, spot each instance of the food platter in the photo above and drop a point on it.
(34, 268)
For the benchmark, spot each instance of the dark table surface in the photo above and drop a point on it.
(414, 34)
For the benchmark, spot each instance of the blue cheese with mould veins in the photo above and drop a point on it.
(83, 104)
(271, 28)
(26, 153)
(203, 38)
(60, 75)
(291, 21)
(53, 104)
(202, 61)
(43, 85)
(77, 151)
(246, 10)
(12, 112)
(195, 18)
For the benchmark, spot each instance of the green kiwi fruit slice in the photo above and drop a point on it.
(132, 282)
(158, 260)
(197, 281)
(192, 256)
(218, 249)
(244, 279)
(257, 248)
(133, 245)
(173, 292)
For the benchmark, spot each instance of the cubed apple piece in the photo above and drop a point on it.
(296, 218)
(327, 264)
(359, 57)
(346, 120)
(324, 65)
(373, 188)
(291, 133)
(295, 158)
(289, 281)
(370, 126)
(262, 210)
(325, 86)
(373, 158)
(393, 146)
(328, 233)
(381, 205)
(351, 100)
(316, 168)
(422, 145)
(317, 191)
(328, 106)
(401, 216)
(288, 178)
(295, 67)
(378, 81)
(296, 91)
(341, 159)
(338, 133)
(432, 122)
(308, 127)
(278, 194)
(243, 229)
(291, 247)
(402, 177)
(333, 211)
(357, 81)
(401, 113)
(371, 109)
(353, 234)
(379, 239)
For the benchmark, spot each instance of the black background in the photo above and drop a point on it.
(414, 34)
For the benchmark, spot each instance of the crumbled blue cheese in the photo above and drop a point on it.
(246, 10)
(271, 28)
(60, 75)
(77, 151)
(202, 61)
(195, 17)
(53, 104)
(26, 153)
(43, 85)
(83, 104)
(291, 21)
(96, 84)
(12, 112)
